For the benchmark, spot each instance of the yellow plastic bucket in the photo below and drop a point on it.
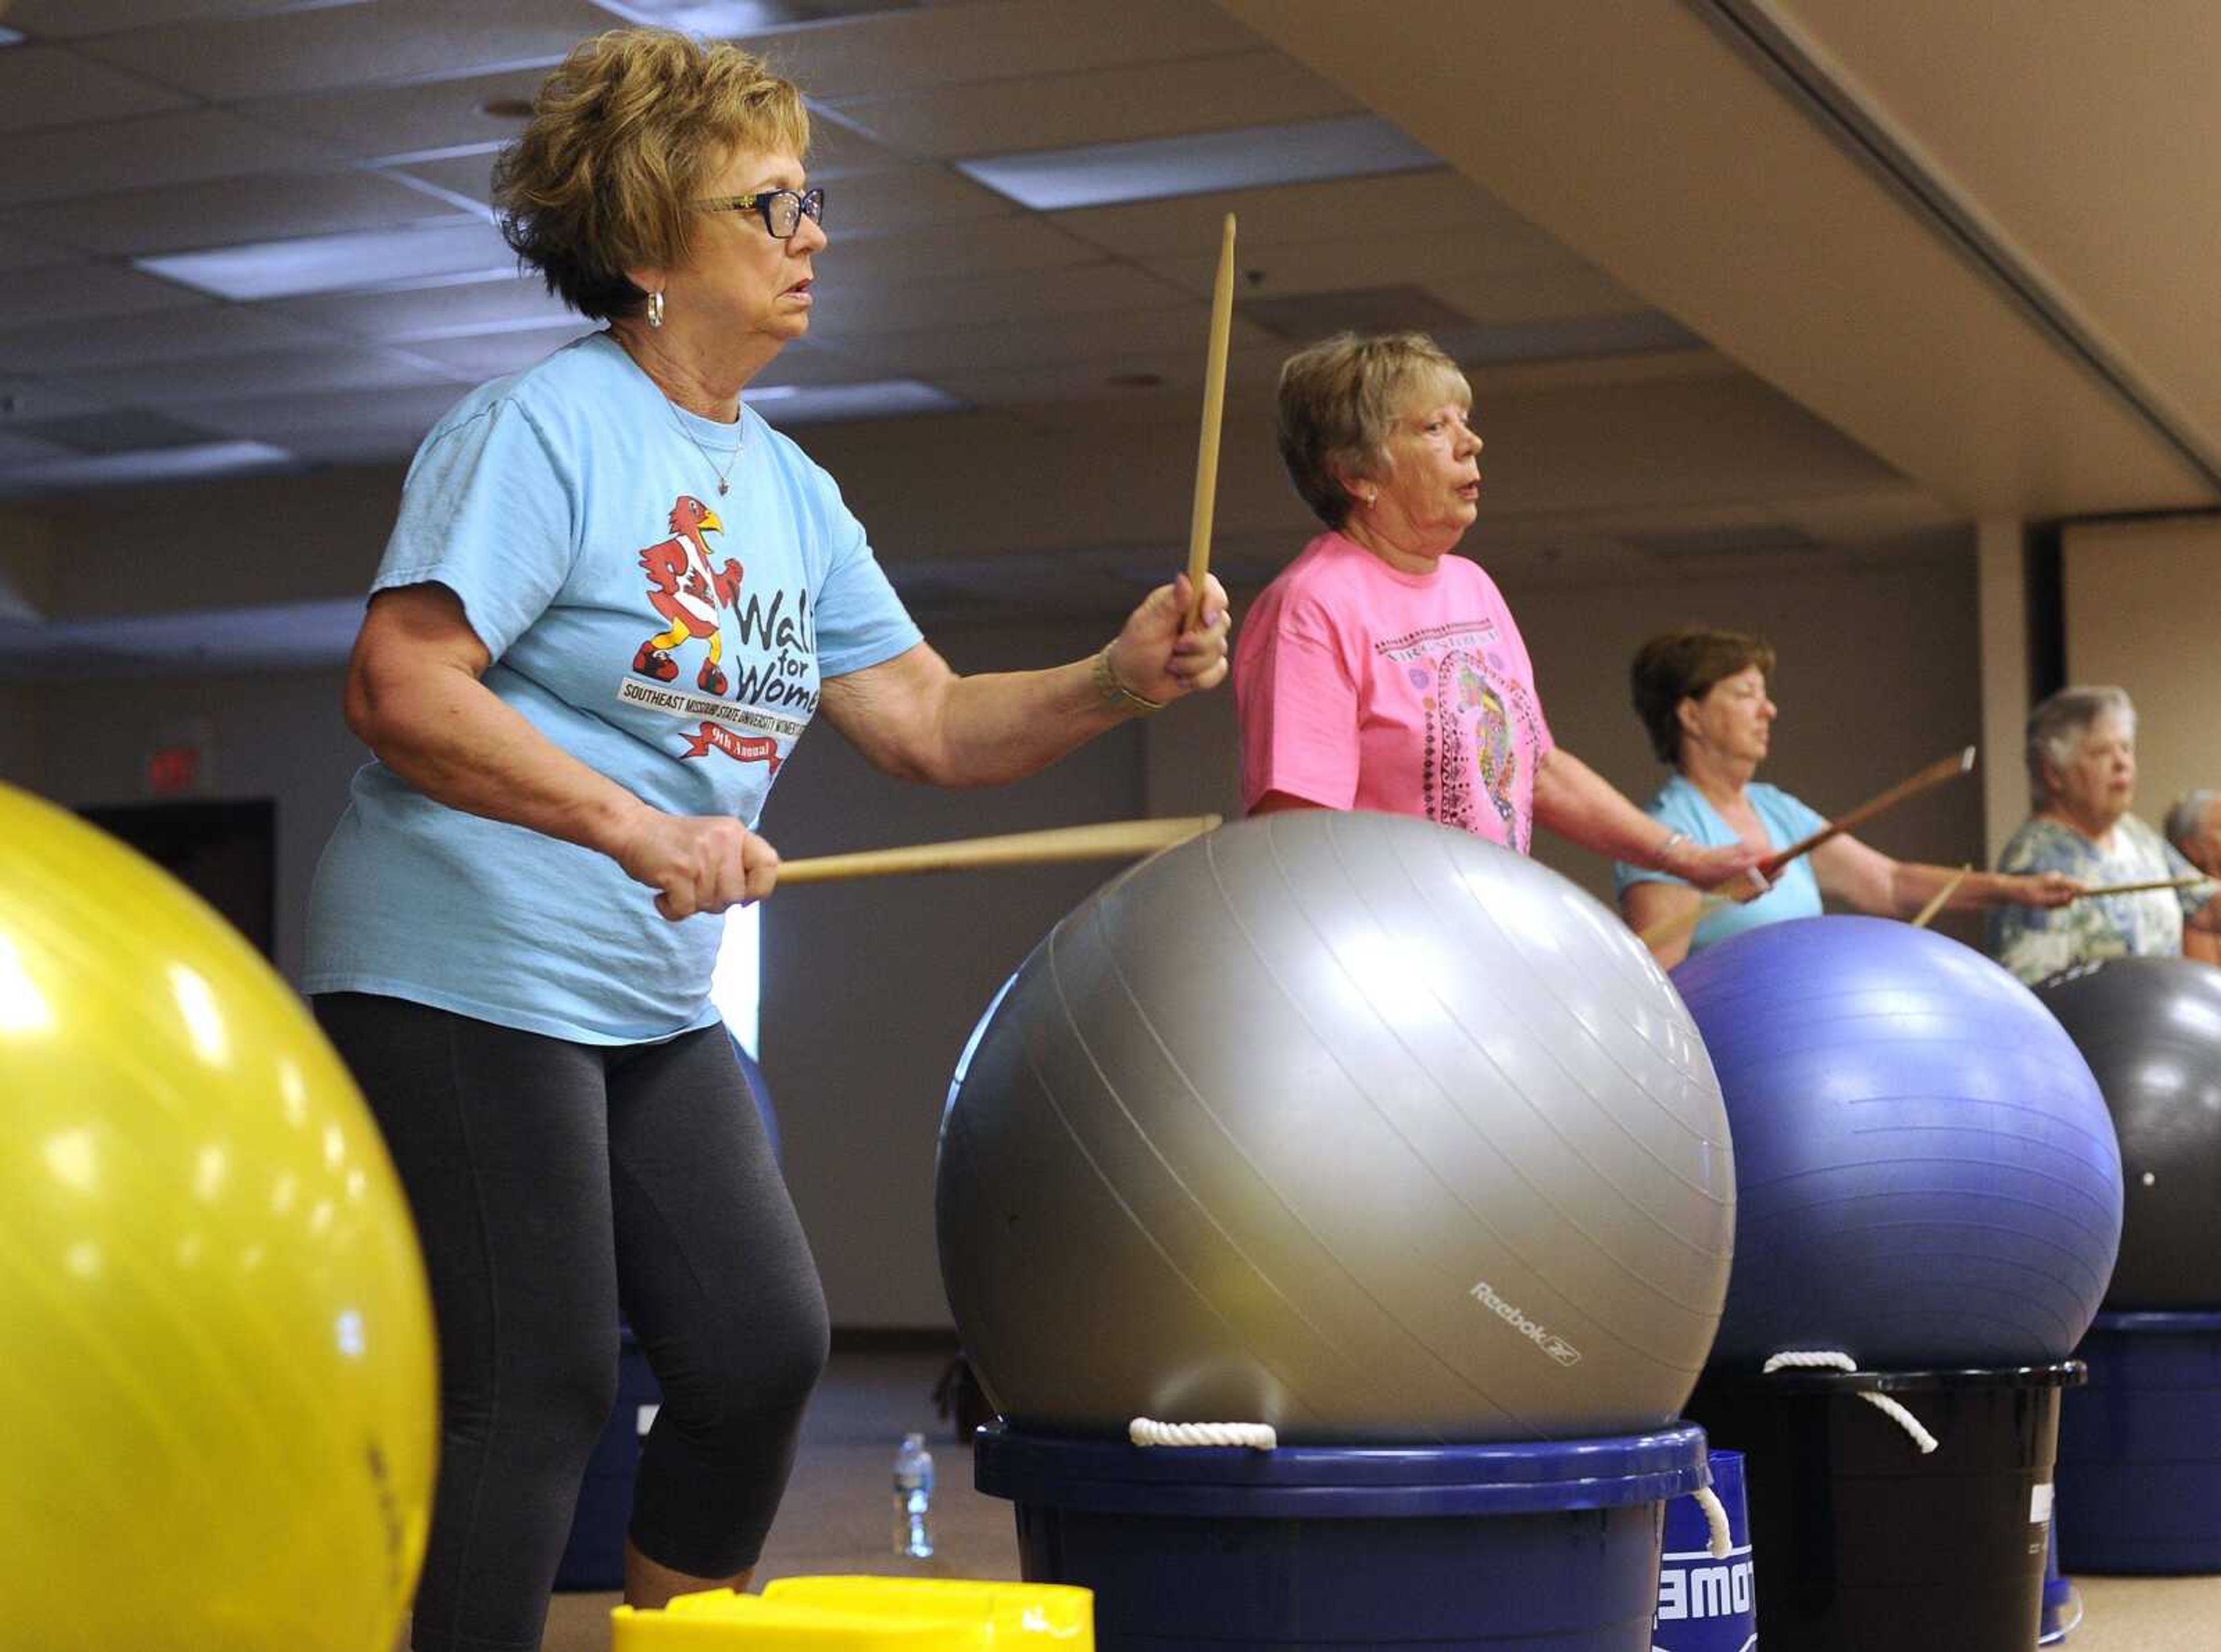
(719, 1620)
(1034, 1616)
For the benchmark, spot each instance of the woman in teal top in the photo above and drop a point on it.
(1702, 697)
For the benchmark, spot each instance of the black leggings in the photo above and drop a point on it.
(554, 1183)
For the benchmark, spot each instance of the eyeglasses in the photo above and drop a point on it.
(782, 210)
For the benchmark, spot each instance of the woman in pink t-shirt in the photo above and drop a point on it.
(1380, 671)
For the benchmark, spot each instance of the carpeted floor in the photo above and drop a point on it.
(838, 1518)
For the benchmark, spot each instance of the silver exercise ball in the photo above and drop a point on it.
(1349, 1124)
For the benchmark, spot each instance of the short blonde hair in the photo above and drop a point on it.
(625, 132)
(1342, 397)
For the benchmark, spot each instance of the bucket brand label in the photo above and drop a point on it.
(1548, 1341)
(1695, 1586)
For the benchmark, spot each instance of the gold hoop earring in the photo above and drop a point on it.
(655, 309)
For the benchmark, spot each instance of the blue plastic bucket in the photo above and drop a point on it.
(2139, 1448)
(593, 1558)
(1540, 1546)
(1706, 1601)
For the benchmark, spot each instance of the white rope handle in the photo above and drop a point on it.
(1888, 1407)
(1258, 1436)
(1715, 1517)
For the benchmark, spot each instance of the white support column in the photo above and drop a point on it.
(2001, 579)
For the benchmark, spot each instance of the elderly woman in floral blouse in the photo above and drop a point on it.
(2082, 778)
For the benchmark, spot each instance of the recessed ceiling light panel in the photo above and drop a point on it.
(1155, 169)
(340, 263)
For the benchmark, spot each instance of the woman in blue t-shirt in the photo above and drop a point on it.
(1702, 697)
(613, 600)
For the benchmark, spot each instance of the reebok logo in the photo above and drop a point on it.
(1548, 1341)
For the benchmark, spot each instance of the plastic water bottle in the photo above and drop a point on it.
(914, 1498)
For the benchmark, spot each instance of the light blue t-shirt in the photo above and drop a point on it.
(666, 633)
(1796, 892)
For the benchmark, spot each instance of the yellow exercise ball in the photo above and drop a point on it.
(217, 1380)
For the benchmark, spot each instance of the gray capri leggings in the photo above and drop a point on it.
(554, 1184)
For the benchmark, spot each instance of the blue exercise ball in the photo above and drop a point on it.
(1926, 1172)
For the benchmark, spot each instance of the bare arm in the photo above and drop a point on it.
(1575, 801)
(1866, 880)
(913, 717)
(1647, 906)
(414, 696)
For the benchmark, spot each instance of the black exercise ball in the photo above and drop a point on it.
(2151, 1029)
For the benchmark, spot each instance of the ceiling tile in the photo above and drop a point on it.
(450, 309)
(20, 251)
(381, 121)
(76, 292)
(66, 19)
(1157, 375)
(1013, 40)
(839, 151)
(409, 254)
(1372, 261)
(50, 85)
(223, 212)
(23, 401)
(1541, 291)
(941, 351)
(22, 450)
(1203, 163)
(216, 329)
(856, 303)
(381, 417)
(326, 46)
(1292, 212)
(984, 246)
(122, 431)
(907, 198)
(478, 356)
(469, 174)
(212, 379)
(182, 147)
(1102, 106)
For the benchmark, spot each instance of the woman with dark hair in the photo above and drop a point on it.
(1702, 697)
(613, 600)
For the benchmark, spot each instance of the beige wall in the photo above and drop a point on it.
(2142, 607)
(1878, 676)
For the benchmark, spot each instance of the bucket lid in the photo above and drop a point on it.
(2060, 1374)
(1339, 1482)
(2159, 1324)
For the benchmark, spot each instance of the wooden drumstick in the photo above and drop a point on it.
(2141, 889)
(1114, 840)
(1941, 899)
(1947, 769)
(1214, 408)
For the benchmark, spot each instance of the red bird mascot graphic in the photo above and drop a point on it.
(687, 591)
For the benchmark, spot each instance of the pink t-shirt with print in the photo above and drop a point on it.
(1362, 687)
